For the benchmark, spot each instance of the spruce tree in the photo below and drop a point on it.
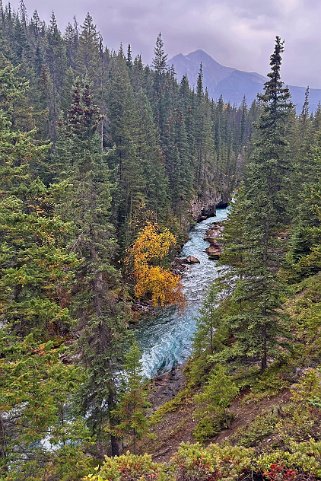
(131, 412)
(253, 324)
(204, 143)
(267, 188)
(159, 88)
(98, 303)
(128, 170)
(36, 274)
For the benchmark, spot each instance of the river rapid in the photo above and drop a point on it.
(166, 339)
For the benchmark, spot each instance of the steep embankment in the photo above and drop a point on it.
(174, 422)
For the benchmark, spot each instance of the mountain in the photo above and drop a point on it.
(231, 83)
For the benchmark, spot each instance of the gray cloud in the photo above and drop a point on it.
(238, 33)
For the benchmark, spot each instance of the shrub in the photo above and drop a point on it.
(195, 463)
(303, 457)
(128, 467)
(212, 403)
(262, 426)
(278, 472)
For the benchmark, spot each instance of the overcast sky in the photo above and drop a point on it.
(237, 33)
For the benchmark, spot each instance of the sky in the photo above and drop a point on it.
(237, 33)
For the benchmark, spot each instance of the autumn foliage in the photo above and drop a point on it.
(150, 248)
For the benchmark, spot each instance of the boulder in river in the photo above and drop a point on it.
(214, 251)
(178, 265)
(214, 232)
(192, 260)
(212, 236)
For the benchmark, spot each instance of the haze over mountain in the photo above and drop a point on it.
(231, 83)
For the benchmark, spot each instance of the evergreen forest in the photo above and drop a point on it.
(106, 163)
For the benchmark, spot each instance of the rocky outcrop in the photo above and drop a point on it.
(192, 260)
(214, 232)
(178, 266)
(163, 388)
(212, 236)
(204, 207)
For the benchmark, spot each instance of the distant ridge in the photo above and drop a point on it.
(231, 83)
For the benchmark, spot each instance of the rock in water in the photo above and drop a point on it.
(192, 260)
(214, 252)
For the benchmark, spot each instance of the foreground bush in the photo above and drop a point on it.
(193, 462)
(128, 467)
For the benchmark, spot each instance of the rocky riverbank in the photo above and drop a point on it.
(213, 236)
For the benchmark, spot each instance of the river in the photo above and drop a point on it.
(166, 339)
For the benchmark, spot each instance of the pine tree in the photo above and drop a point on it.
(36, 273)
(254, 327)
(131, 410)
(98, 303)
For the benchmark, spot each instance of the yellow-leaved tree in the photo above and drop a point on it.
(149, 249)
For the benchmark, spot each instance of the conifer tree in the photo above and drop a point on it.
(304, 249)
(128, 170)
(266, 187)
(131, 410)
(204, 142)
(272, 156)
(160, 66)
(36, 273)
(156, 204)
(88, 60)
(212, 404)
(98, 304)
(56, 62)
(253, 319)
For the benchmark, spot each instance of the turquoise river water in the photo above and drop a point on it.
(166, 339)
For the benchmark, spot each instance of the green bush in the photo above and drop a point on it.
(195, 463)
(305, 457)
(262, 427)
(212, 404)
(129, 467)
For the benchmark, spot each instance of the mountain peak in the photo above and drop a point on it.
(199, 52)
(202, 56)
(231, 83)
(189, 65)
(199, 56)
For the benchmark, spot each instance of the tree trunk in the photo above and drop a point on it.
(114, 440)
